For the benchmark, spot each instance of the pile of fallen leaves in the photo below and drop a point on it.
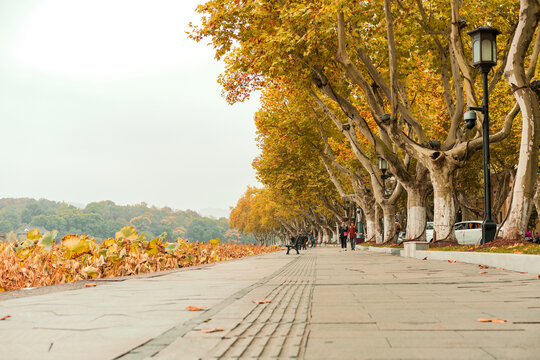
(39, 261)
(497, 246)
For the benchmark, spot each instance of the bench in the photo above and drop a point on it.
(296, 245)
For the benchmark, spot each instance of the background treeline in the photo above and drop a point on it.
(102, 219)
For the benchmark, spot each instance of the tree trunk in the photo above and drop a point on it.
(416, 214)
(370, 225)
(389, 222)
(444, 208)
(522, 197)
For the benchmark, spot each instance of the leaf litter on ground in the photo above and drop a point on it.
(491, 320)
(208, 331)
(262, 301)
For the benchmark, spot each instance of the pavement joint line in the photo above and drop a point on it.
(182, 329)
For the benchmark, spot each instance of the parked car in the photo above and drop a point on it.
(468, 232)
(429, 231)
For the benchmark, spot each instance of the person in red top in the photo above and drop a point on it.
(353, 230)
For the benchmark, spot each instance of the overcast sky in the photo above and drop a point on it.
(109, 100)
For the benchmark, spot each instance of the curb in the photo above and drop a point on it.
(515, 262)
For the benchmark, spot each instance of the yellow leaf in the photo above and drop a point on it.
(128, 233)
(91, 271)
(33, 235)
(75, 245)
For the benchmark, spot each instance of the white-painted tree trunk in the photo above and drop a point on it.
(371, 225)
(444, 208)
(389, 222)
(416, 215)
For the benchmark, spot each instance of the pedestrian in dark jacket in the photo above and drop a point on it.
(343, 229)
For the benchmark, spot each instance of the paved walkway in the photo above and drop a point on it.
(326, 304)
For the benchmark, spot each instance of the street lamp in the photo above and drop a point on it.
(484, 40)
(383, 166)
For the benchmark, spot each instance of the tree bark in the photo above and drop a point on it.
(389, 222)
(416, 214)
(444, 208)
(522, 201)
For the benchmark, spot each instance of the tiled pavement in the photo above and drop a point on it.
(326, 304)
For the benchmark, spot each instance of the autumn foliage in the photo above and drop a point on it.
(39, 261)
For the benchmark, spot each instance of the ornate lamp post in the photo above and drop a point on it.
(484, 40)
(383, 166)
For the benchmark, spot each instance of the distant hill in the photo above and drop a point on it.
(104, 218)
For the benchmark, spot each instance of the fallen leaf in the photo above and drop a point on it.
(483, 266)
(491, 320)
(208, 331)
(499, 268)
(485, 290)
(90, 285)
(539, 276)
(262, 301)
(483, 272)
(425, 258)
(483, 320)
(5, 317)
(523, 272)
(488, 275)
(453, 261)
(194, 308)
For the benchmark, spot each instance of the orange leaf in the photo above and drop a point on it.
(491, 320)
(90, 285)
(485, 290)
(483, 266)
(208, 331)
(5, 317)
(194, 308)
(483, 272)
(262, 301)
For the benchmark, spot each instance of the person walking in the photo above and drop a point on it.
(353, 230)
(343, 235)
(312, 239)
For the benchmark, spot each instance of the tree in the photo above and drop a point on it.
(519, 80)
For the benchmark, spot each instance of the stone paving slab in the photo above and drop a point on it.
(326, 304)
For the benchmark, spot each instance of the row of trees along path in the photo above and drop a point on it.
(343, 83)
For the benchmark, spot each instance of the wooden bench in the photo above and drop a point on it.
(296, 245)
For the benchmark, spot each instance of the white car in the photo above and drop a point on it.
(468, 232)
(429, 231)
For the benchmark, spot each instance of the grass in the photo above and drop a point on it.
(531, 249)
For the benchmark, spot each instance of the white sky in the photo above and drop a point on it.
(109, 100)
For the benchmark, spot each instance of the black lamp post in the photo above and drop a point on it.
(484, 40)
(383, 166)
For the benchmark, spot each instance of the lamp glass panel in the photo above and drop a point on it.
(487, 51)
(476, 49)
(494, 51)
(383, 165)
